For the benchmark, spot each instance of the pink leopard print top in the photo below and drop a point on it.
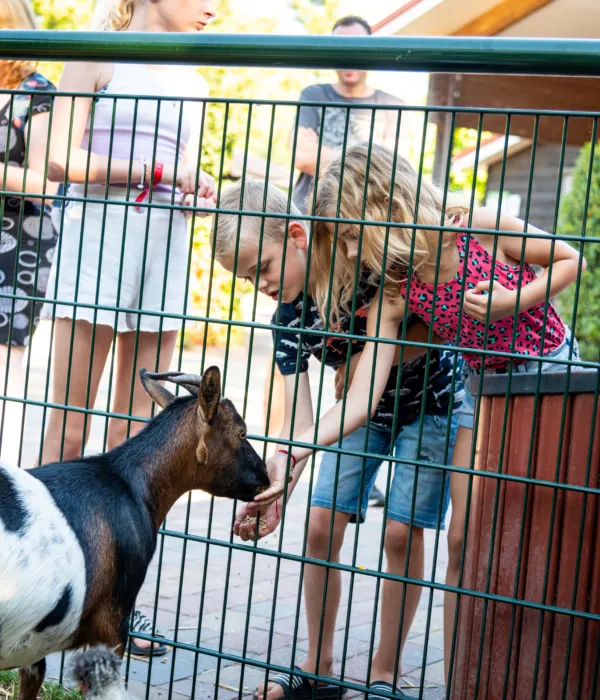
(476, 265)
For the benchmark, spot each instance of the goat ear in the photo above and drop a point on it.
(210, 393)
(156, 391)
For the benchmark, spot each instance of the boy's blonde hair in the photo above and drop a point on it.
(16, 14)
(405, 246)
(228, 225)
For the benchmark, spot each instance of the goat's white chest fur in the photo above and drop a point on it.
(42, 572)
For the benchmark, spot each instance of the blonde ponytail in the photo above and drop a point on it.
(121, 15)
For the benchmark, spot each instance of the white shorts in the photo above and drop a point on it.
(123, 262)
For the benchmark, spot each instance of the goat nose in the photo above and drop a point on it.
(264, 475)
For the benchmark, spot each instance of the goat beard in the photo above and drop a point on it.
(201, 453)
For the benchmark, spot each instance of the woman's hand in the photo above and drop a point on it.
(185, 180)
(205, 198)
(268, 519)
(502, 303)
(189, 200)
(206, 188)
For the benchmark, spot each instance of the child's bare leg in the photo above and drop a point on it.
(459, 486)
(314, 580)
(396, 551)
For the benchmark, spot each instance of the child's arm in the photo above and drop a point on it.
(357, 407)
(301, 402)
(31, 179)
(547, 252)
(67, 150)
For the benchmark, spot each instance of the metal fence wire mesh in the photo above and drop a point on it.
(505, 586)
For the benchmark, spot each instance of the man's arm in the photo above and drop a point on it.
(391, 121)
(307, 151)
(309, 126)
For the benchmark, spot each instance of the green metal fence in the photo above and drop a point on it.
(227, 636)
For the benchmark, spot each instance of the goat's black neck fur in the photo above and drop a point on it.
(127, 492)
(144, 460)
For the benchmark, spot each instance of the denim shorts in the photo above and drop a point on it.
(466, 412)
(433, 485)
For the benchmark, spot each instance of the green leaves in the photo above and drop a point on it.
(575, 220)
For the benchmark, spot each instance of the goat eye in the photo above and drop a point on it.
(242, 435)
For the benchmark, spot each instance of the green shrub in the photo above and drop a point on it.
(575, 221)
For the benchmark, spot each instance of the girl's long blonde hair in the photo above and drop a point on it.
(16, 14)
(405, 246)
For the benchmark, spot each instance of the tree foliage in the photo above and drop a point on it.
(61, 14)
(64, 14)
(463, 180)
(318, 17)
(576, 219)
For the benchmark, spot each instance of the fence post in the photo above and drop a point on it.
(543, 549)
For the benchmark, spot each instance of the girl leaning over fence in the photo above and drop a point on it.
(28, 236)
(123, 254)
(493, 277)
(343, 485)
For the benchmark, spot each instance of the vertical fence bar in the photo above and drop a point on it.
(6, 401)
(484, 615)
(594, 413)
(43, 206)
(327, 317)
(357, 275)
(321, 375)
(19, 233)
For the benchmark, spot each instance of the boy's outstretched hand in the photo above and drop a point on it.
(268, 520)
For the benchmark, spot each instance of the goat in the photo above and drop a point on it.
(78, 537)
(97, 672)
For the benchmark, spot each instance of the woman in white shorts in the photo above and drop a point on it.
(122, 254)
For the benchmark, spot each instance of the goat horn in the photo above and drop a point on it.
(162, 376)
(191, 382)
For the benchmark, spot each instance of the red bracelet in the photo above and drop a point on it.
(285, 452)
(158, 173)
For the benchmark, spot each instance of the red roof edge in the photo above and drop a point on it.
(394, 15)
(470, 149)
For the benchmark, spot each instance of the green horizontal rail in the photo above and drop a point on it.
(276, 215)
(435, 54)
(305, 331)
(353, 569)
(363, 106)
(343, 451)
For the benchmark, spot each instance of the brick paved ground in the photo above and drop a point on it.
(207, 594)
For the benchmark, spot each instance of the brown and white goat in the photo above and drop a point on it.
(76, 538)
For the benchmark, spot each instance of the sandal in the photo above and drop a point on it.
(387, 688)
(300, 688)
(142, 624)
